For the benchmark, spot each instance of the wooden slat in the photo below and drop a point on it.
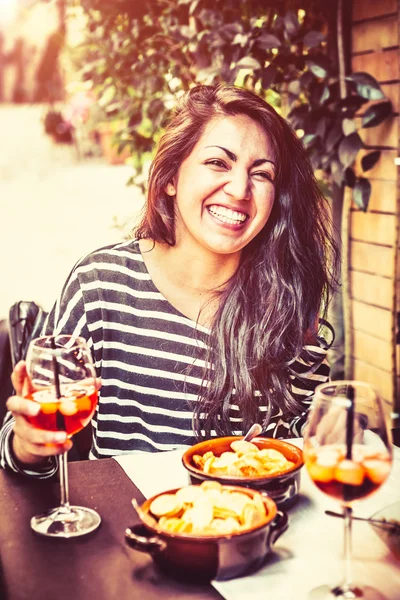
(373, 227)
(384, 66)
(375, 35)
(381, 380)
(372, 289)
(367, 9)
(371, 350)
(372, 259)
(384, 168)
(385, 134)
(375, 321)
(383, 196)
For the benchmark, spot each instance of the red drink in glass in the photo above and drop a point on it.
(344, 479)
(71, 412)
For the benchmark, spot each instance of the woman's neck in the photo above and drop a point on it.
(188, 278)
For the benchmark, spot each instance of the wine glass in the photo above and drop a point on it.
(62, 380)
(348, 455)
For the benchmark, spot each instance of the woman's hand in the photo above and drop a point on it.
(31, 446)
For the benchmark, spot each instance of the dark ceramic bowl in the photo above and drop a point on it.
(283, 487)
(203, 558)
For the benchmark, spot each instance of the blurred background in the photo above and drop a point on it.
(86, 87)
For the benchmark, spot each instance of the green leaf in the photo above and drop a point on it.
(294, 87)
(348, 149)
(268, 41)
(309, 139)
(107, 96)
(366, 85)
(317, 69)
(375, 114)
(312, 39)
(248, 62)
(291, 23)
(334, 135)
(348, 126)
(349, 177)
(362, 193)
(369, 160)
(325, 95)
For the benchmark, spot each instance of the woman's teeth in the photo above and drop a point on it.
(227, 215)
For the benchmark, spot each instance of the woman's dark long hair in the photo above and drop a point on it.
(270, 306)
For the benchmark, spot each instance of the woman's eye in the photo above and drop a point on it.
(215, 162)
(264, 175)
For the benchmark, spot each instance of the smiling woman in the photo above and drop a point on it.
(208, 321)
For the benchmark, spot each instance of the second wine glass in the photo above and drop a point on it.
(62, 380)
(348, 454)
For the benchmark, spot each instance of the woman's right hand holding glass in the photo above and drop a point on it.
(31, 446)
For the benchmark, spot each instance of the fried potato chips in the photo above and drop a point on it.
(208, 509)
(245, 460)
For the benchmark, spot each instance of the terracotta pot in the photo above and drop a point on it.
(203, 558)
(283, 487)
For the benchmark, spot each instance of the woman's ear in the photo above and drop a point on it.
(170, 189)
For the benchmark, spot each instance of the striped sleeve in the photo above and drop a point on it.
(8, 460)
(307, 372)
(67, 316)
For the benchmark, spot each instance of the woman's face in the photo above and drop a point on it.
(225, 188)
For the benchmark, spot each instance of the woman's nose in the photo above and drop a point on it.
(238, 185)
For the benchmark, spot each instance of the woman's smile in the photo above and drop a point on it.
(227, 216)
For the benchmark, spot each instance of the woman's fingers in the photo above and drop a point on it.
(18, 376)
(20, 379)
(30, 444)
(21, 406)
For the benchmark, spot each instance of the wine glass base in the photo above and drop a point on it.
(66, 522)
(324, 592)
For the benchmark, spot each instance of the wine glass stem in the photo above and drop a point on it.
(63, 467)
(348, 578)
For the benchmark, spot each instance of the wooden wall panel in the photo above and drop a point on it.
(381, 380)
(385, 168)
(372, 289)
(375, 35)
(368, 9)
(372, 350)
(385, 134)
(373, 227)
(384, 66)
(373, 245)
(372, 320)
(371, 258)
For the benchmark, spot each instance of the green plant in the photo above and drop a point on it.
(141, 56)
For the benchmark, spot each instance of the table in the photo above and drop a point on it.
(99, 566)
(309, 553)
(102, 567)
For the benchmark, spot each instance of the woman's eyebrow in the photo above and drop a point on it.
(233, 156)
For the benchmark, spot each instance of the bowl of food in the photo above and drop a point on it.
(208, 531)
(264, 464)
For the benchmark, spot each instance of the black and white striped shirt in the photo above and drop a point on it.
(150, 358)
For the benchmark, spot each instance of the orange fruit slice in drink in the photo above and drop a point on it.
(349, 472)
(322, 473)
(48, 408)
(377, 470)
(68, 408)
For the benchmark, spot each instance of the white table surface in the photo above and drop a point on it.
(310, 552)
